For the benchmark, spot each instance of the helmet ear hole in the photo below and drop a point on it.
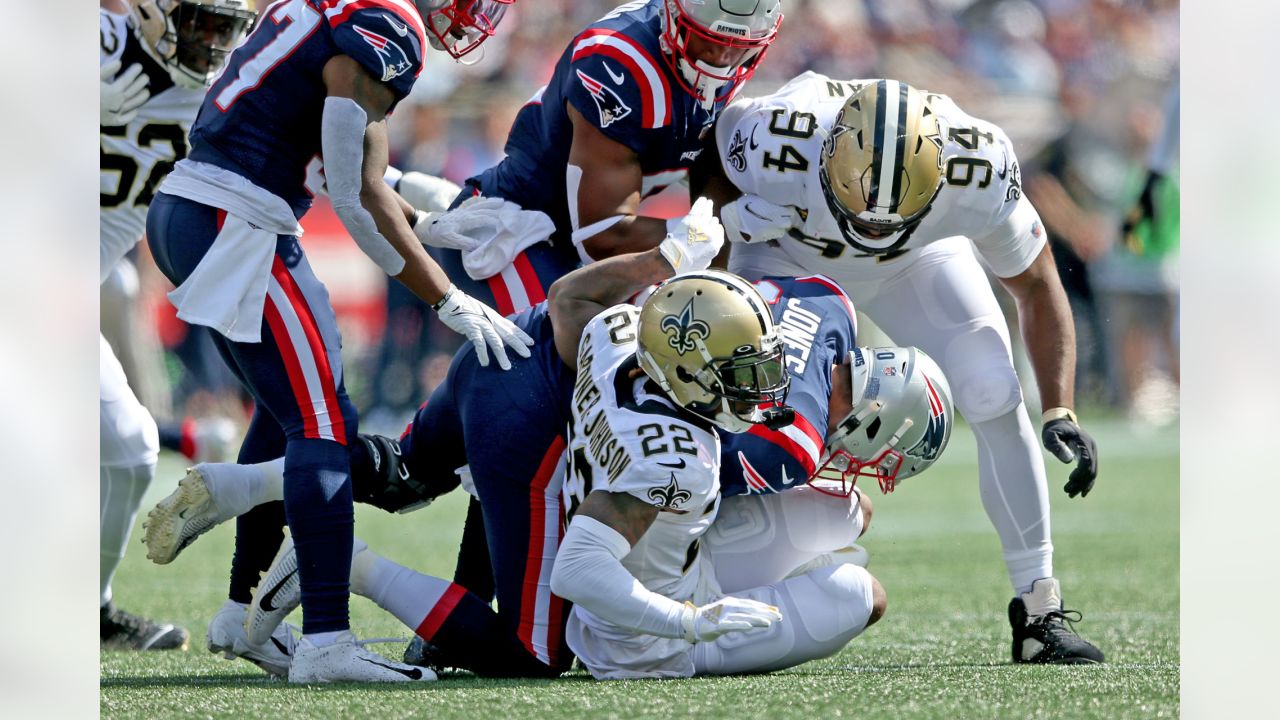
(873, 428)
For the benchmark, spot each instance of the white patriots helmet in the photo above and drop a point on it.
(460, 26)
(899, 425)
(742, 29)
(192, 38)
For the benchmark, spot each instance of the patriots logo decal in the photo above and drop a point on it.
(936, 432)
(684, 330)
(607, 101)
(394, 62)
(737, 155)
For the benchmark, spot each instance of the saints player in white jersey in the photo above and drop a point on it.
(156, 56)
(653, 384)
(888, 190)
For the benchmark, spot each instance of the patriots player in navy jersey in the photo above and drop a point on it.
(315, 79)
(623, 116)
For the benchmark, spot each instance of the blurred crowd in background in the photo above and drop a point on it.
(1081, 87)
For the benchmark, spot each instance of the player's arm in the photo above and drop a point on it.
(354, 144)
(1044, 316)
(603, 184)
(589, 572)
(582, 294)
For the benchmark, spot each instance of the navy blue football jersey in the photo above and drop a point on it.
(613, 73)
(818, 328)
(261, 117)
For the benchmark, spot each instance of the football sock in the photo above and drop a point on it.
(317, 489)
(1019, 509)
(464, 629)
(237, 489)
(321, 639)
(120, 492)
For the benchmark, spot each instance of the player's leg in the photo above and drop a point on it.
(945, 306)
(822, 610)
(295, 373)
(128, 442)
(761, 539)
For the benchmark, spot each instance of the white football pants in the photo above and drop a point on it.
(129, 444)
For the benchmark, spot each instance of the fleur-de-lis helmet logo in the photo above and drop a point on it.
(684, 330)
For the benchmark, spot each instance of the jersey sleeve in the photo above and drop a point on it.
(112, 34)
(670, 489)
(770, 149)
(386, 42)
(618, 94)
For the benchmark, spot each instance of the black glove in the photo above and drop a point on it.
(1068, 441)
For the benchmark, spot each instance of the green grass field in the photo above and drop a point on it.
(942, 651)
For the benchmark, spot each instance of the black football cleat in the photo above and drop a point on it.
(126, 631)
(1042, 631)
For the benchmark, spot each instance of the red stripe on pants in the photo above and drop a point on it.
(537, 541)
(430, 624)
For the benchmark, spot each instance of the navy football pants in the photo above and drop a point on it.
(295, 374)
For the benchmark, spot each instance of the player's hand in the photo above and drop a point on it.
(726, 615)
(121, 97)
(427, 192)
(1145, 207)
(458, 229)
(752, 219)
(1064, 437)
(483, 326)
(694, 240)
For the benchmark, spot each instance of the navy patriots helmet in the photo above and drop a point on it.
(899, 425)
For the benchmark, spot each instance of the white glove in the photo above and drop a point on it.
(694, 240)
(483, 326)
(726, 615)
(427, 192)
(752, 219)
(456, 229)
(121, 97)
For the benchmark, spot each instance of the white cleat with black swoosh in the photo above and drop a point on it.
(227, 636)
(347, 660)
(279, 592)
(176, 521)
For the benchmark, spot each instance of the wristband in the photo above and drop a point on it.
(447, 294)
(1059, 412)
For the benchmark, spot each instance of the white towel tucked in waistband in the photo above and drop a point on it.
(500, 230)
(228, 289)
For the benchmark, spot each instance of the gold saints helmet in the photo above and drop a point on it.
(192, 38)
(709, 341)
(881, 165)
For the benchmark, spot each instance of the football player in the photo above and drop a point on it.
(316, 78)
(878, 184)
(168, 50)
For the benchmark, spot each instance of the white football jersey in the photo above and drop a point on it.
(628, 437)
(136, 157)
(770, 147)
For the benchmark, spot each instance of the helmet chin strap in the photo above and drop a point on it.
(706, 86)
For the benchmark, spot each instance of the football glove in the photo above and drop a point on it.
(726, 615)
(1064, 437)
(483, 327)
(121, 97)
(752, 219)
(464, 228)
(694, 240)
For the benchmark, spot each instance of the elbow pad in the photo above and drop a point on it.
(342, 143)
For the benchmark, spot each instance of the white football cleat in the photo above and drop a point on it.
(277, 594)
(347, 660)
(176, 521)
(227, 636)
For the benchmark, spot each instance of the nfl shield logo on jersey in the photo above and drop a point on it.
(394, 62)
(608, 103)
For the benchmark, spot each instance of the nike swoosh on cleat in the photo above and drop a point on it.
(414, 674)
(616, 77)
(676, 465)
(284, 650)
(271, 594)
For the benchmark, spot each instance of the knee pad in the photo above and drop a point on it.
(847, 584)
(982, 377)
